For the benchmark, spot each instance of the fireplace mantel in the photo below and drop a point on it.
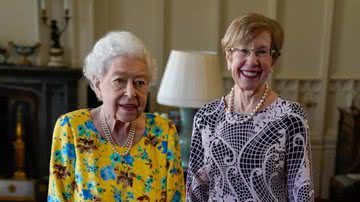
(38, 72)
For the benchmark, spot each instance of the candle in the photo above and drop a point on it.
(66, 4)
(42, 5)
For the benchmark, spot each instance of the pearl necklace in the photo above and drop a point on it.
(129, 140)
(230, 107)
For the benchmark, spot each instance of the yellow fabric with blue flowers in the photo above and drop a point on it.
(84, 167)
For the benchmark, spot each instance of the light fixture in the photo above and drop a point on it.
(191, 79)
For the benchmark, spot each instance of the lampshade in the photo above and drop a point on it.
(191, 79)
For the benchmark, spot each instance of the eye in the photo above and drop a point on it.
(119, 81)
(244, 51)
(140, 83)
(261, 52)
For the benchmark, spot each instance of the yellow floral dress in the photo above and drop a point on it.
(84, 167)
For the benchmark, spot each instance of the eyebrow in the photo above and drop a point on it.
(263, 46)
(255, 47)
(127, 74)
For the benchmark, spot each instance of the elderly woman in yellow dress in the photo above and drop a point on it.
(252, 144)
(116, 152)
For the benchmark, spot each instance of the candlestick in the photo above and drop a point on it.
(42, 5)
(66, 4)
(56, 50)
(19, 146)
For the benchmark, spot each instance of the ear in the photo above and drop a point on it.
(96, 87)
(228, 58)
(274, 60)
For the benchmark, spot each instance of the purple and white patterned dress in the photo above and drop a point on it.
(267, 158)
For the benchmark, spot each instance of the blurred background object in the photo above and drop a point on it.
(4, 54)
(56, 51)
(24, 51)
(191, 79)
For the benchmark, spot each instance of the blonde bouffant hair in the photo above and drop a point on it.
(242, 30)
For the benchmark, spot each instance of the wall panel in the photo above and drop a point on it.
(302, 22)
(346, 41)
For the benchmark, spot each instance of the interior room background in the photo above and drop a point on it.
(319, 65)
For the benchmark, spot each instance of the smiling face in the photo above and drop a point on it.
(124, 88)
(249, 65)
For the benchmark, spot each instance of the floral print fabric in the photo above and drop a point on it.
(84, 167)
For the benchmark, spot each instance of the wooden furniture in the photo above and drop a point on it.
(345, 188)
(345, 185)
(348, 142)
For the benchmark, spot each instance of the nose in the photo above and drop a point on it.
(252, 58)
(130, 90)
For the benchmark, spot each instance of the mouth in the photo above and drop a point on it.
(250, 74)
(129, 107)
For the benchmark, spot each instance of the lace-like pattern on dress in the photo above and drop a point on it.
(267, 158)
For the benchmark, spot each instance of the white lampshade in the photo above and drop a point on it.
(191, 79)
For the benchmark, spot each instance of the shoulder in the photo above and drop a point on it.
(290, 108)
(212, 105)
(156, 117)
(210, 108)
(155, 120)
(294, 113)
(160, 129)
(209, 112)
(74, 117)
(78, 113)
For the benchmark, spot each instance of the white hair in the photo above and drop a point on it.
(113, 44)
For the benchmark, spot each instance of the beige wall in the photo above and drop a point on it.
(18, 17)
(187, 24)
(318, 66)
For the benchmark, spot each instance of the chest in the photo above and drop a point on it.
(237, 143)
(104, 174)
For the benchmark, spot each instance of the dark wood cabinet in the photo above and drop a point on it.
(345, 185)
(348, 142)
(46, 93)
(43, 94)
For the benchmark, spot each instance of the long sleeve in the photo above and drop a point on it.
(298, 160)
(197, 187)
(62, 162)
(175, 174)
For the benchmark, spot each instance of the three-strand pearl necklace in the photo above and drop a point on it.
(230, 107)
(129, 140)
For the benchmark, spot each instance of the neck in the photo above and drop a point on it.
(113, 123)
(116, 127)
(120, 127)
(246, 100)
(120, 136)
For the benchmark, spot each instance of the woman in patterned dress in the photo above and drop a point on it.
(116, 152)
(252, 144)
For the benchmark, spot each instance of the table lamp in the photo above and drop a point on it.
(191, 79)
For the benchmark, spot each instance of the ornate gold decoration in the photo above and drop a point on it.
(19, 147)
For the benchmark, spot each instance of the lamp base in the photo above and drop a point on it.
(187, 116)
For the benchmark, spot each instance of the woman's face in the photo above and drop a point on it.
(251, 64)
(124, 88)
